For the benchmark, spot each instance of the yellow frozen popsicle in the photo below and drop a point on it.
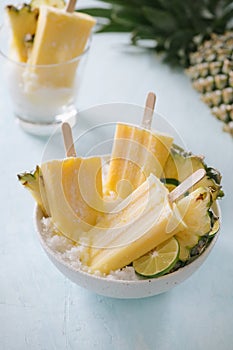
(60, 37)
(74, 194)
(140, 223)
(136, 153)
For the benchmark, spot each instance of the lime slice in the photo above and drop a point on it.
(54, 3)
(158, 261)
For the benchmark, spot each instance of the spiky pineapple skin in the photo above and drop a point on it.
(182, 33)
(211, 71)
(33, 181)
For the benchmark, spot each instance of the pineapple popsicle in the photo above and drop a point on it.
(139, 224)
(73, 190)
(136, 153)
(60, 37)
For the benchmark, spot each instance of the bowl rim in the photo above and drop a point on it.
(38, 215)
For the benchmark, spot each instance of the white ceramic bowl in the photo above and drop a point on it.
(122, 288)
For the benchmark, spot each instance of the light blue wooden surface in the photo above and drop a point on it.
(39, 308)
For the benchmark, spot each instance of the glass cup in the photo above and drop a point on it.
(42, 96)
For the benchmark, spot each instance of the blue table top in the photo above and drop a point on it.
(39, 307)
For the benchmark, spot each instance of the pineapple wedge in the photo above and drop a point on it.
(69, 191)
(180, 165)
(23, 22)
(74, 191)
(194, 211)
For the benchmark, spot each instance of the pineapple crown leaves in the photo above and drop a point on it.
(176, 27)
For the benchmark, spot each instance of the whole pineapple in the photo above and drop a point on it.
(211, 71)
(197, 35)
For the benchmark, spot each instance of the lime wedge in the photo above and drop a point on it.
(158, 261)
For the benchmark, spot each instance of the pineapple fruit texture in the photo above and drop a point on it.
(74, 194)
(211, 71)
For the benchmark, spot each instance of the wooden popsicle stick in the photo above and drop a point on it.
(70, 6)
(186, 185)
(149, 110)
(68, 140)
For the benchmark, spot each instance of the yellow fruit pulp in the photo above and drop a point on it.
(194, 211)
(74, 193)
(23, 23)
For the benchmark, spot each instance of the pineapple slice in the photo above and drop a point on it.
(34, 182)
(74, 191)
(69, 191)
(194, 211)
(180, 165)
(23, 23)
